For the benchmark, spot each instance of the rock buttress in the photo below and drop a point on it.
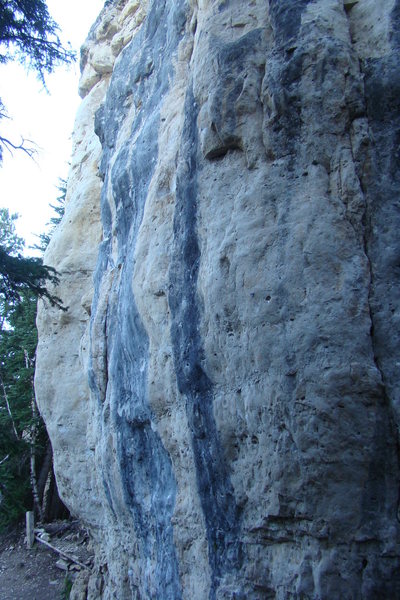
(238, 421)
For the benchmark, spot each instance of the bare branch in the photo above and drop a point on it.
(8, 408)
(4, 459)
(62, 553)
(29, 150)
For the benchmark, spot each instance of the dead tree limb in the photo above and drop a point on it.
(8, 407)
(29, 150)
(3, 460)
(61, 553)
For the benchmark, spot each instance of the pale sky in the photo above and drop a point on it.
(26, 186)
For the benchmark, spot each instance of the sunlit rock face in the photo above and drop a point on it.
(223, 392)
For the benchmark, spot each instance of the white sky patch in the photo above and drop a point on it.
(28, 186)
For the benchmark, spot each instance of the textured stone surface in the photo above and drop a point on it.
(226, 421)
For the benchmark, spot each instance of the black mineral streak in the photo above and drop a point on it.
(215, 490)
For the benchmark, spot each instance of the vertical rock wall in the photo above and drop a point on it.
(222, 394)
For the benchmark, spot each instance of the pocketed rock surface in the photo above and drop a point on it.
(222, 394)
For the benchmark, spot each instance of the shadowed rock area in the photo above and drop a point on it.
(222, 394)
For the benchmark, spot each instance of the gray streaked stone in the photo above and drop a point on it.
(238, 408)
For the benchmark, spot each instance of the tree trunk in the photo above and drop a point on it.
(32, 443)
(52, 505)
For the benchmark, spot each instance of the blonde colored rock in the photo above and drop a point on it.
(222, 394)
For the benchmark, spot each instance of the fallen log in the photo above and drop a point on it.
(61, 553)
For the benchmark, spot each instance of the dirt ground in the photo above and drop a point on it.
(33, 574)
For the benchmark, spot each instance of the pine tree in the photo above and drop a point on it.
(29, 35)
(26, 476)
(22, 433)
(59, 209)
(19, 274)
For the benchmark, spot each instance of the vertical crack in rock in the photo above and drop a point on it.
(382, 92)
(215, 490)
(380, 183)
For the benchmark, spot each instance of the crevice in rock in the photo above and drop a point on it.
(366, 183)
(347, 6)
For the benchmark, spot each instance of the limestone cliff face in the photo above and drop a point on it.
(223, 392)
